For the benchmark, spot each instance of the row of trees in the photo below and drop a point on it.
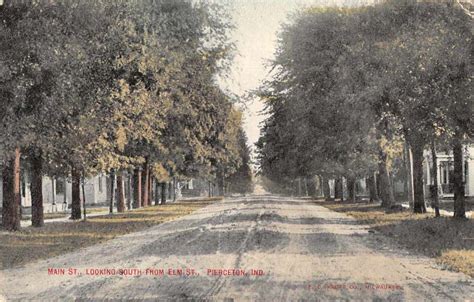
(90, 87)
(352, 87)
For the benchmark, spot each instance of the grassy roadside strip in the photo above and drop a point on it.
(449, 241)
(62, 214)
(57, 238)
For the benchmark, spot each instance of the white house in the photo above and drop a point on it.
(57, 193)
(445, 168)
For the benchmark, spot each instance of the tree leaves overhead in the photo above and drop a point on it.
(100, 85)
(351, 83)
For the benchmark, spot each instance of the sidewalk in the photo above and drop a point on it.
(27, 223)
(469, 214)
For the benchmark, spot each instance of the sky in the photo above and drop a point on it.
(257, 25)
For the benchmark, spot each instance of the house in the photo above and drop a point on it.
(197, 187)
(57, 193)
(445, 168)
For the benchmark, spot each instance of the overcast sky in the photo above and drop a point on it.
(257, 24)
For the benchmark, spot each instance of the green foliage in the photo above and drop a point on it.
(99, 85)
(351, 84)
(241, 180)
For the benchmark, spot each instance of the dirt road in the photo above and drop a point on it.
(263, 248)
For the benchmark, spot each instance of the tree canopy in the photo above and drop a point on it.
(352, 85)
(95, 87)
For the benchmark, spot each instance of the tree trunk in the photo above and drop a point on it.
(84, 202)
(409, 174)
(326, 189)
(137, 188)
(339, 189)
(76, 194)
(351, 188)
(311, 186)
(170, 191)
(37, 212)
(157, 192)
(459, 205)
(121, 193)
(385, 185)
(299, 187)
(145, 184)
(152, 189)
(163, 192)
(337, 193)
(434, 172)
(130, 190)
(53, 191)
(419, 196)
(148, 183)
(112, 192)
(220, 184)
(372, 188)
(11, 193)
(174, 189)
(65, 193)
(223, 186)
(210, 189)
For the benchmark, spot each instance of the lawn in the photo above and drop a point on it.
(47, 216)
(449, 241)
(57, 238)
(55, 215)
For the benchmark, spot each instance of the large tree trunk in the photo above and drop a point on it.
(137, 188)
(372, 188)
(11, 193)
(459, 205)
(76, 194)
(121, 193)
(385, 185)
(434, 187)
(163, 192)
(419, 198)
(112, 192)
(351, 188)
(37, 216)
